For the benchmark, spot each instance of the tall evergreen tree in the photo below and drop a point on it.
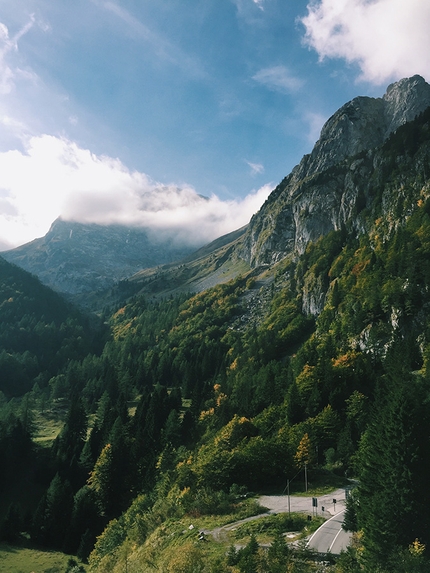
(100, 480)
(72, 437)
(52, 517)
(12, 524)
(85, 522)
(393, 493)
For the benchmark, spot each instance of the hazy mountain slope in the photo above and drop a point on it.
(75, 258)
(210, 265)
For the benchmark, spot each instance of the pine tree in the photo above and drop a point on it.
(72, 437)
(295, 411)
(12, 524)
(84, 521)
(350, 522)
(304, 455)
(100, 480)
(278, 555)
(52, 517)
(393, 493)
(172, 430)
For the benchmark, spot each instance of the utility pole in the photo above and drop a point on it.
(288, 488)
(306, 478)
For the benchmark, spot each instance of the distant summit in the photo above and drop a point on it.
(75, 258)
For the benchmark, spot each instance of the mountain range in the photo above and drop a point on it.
(309, 356)
(341, 184)
(334, 186)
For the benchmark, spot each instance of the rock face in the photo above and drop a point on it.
(404, 100)
(75, 258)
(328, 188)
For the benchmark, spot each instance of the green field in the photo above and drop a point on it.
(17, 559)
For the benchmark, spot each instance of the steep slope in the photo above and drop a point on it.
(39, 331)
(75, 258)
(328, 189)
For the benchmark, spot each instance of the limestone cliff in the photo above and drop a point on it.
(329, 187)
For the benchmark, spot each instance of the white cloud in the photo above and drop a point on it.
(6, 74)
(259, 4)
(278, 78)
(256, 168)
(388, 39)
(54, 177)
(247, 10)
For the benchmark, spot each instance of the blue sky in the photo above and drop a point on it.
(130, 110)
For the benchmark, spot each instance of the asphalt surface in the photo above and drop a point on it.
(330, 537)
(325, 507)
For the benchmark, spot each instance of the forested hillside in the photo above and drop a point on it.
(192, 401)
(39, 332)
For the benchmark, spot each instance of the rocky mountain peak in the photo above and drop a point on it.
(365, 123)
(326, 190)
(404, 100)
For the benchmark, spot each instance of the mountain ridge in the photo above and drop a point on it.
(327, 190)
(307, 204)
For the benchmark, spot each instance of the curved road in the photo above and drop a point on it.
(330, 537)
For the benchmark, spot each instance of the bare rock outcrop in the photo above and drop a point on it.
(325, 191)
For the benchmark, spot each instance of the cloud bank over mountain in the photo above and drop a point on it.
(221, 96)
(55, 177)
(387, 39)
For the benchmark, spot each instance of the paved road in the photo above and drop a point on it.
(279, 503)
(330, 537)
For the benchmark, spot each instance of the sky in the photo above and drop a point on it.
(180, 115)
